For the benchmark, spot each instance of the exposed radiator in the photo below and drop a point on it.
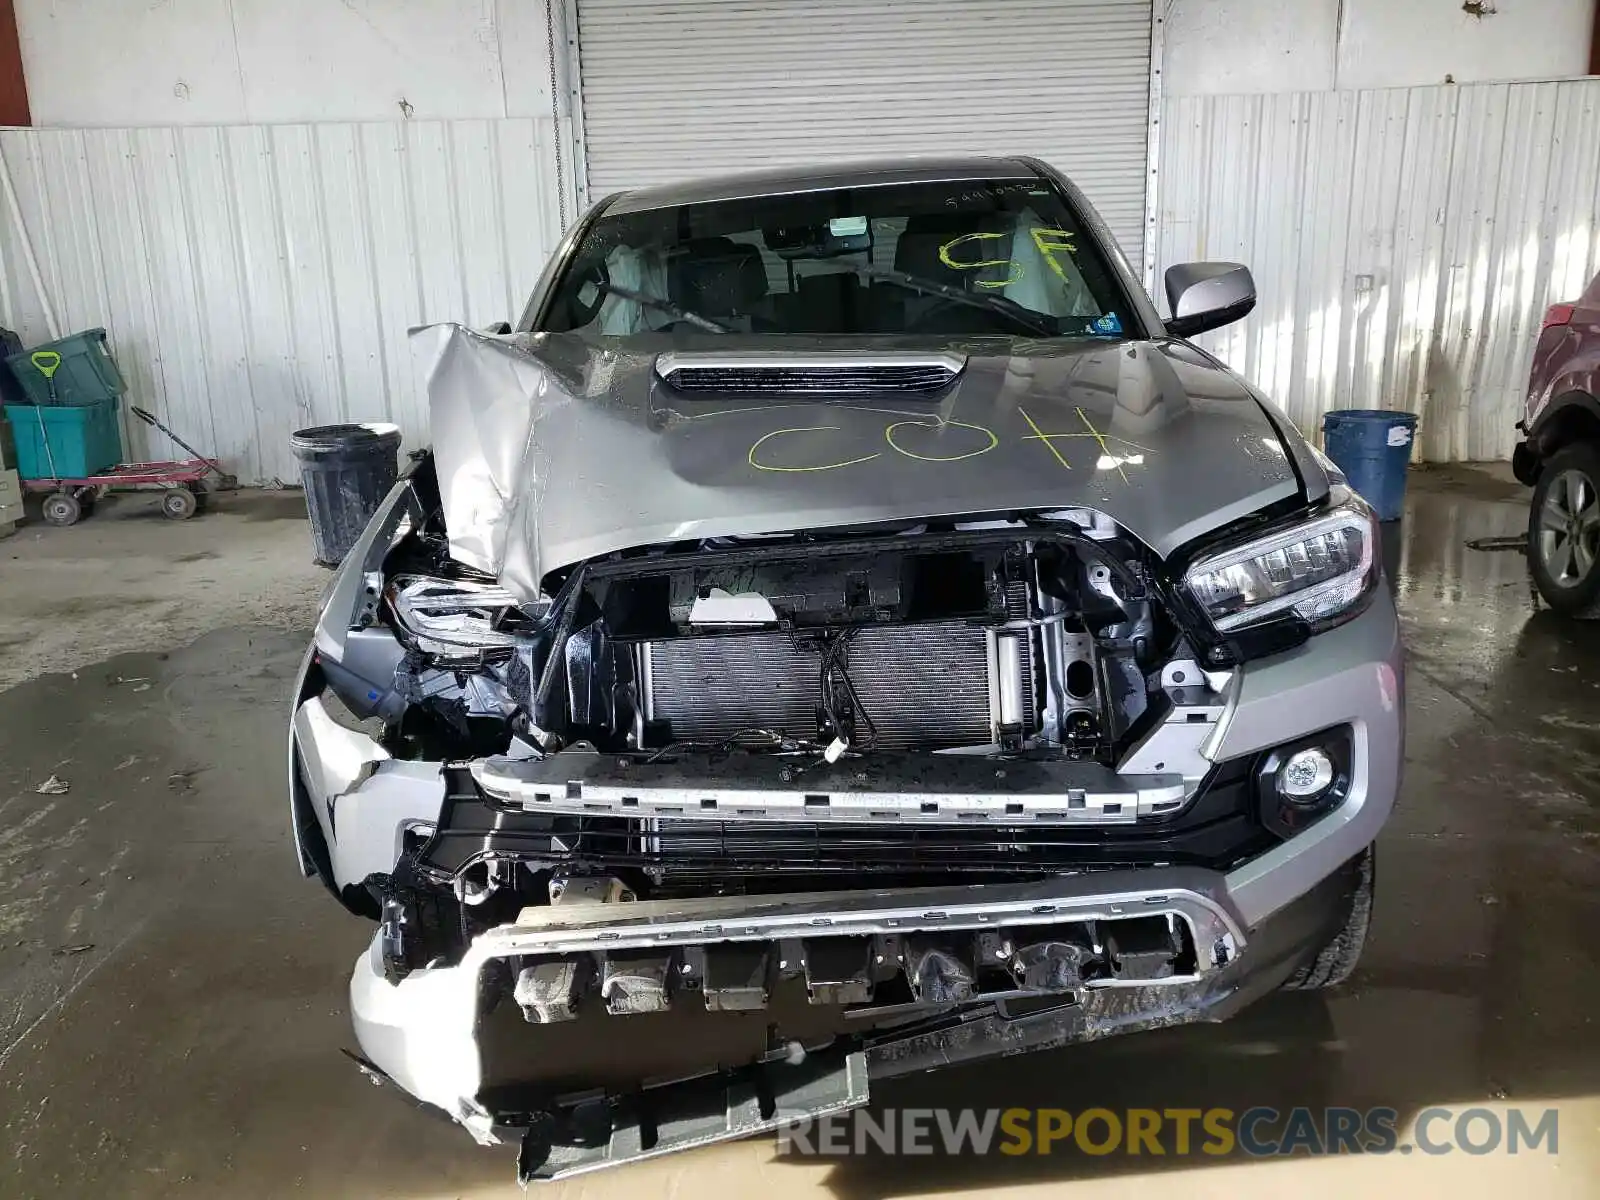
(922, 685)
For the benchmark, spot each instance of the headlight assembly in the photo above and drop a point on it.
(1320, 569)
(447, 616)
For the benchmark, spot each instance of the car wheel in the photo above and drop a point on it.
(1564, 532)
(1336, 961)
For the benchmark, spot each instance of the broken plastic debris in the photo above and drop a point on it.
(64, 951)
(54, 786)
(721, 607)
(835, 750)
(522, 750)
(143, 687)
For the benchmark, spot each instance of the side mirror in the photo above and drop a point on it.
(1208, 295)
(499, 327)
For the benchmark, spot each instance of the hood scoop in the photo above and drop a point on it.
(820, 375)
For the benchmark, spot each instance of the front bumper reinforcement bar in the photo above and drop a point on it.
(653, 924)
(931, 789)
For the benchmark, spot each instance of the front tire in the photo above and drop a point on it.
(1564, 532)
(1336, 961)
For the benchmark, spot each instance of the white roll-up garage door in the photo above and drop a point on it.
(677, 88)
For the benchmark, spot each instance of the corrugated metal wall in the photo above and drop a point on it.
(1405, 242)
(772, 83)
(258, 279)
(255, 279)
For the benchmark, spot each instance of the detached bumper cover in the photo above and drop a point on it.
(1247, 929)
(1189, 894)
(422, 1030)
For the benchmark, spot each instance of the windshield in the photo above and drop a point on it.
(959, 258)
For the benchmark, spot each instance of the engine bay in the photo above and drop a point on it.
(988, 637)
(990, 699)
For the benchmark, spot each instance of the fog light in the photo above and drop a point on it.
(1302, 781)
(1305, 775)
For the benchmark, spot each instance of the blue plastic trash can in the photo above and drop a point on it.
(1372, 446)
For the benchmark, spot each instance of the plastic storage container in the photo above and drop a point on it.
(84, 439)
(347, 470)
(87, 372)
(1372, 446)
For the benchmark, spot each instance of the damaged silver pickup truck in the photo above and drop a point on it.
(842, 631)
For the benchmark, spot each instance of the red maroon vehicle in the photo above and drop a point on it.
(1560, 458)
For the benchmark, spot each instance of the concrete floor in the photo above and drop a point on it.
(172, 995)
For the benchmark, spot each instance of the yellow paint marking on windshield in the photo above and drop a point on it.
(1044, 437)
(888, 436)
(958, 265)
(849, 462)
(1049, 242)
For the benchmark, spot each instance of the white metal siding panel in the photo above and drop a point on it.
(677, 88)
(1405, 242)
(257, 279)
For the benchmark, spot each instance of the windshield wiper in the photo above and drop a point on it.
(1020, 313)
(666, 306)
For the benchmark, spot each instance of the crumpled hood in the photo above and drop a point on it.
(550, 450)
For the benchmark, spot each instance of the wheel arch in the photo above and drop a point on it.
(1573, 416)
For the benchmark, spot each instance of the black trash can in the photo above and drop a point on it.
(347, 470)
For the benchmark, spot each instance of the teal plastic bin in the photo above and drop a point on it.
(87, 373)
(84, 439)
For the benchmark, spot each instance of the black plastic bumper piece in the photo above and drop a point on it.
(670, 1117)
